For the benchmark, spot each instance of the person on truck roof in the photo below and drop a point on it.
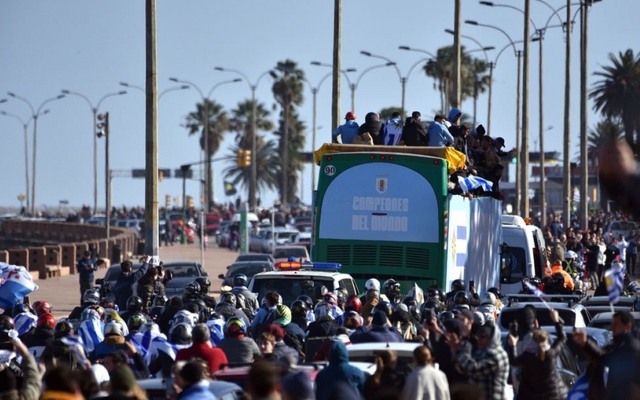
(438, 133)
(414, 133)
(348, 130)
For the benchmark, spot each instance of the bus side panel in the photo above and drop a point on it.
(483, 262)
(458, 233)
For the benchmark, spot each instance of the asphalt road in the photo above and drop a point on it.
(64, 293)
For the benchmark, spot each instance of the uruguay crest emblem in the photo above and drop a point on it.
(382, 183)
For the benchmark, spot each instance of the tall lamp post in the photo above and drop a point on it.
(94, 111)
(208, 192)
(354, 85)
(35, 114)
(25, 127)
(253, 173)
(519, 166)
(170, 89)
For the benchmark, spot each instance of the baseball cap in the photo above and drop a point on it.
(350, 115)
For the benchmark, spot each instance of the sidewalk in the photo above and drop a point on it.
(64, 293)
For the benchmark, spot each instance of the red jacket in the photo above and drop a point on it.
(212, 355)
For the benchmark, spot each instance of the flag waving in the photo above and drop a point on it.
(537, 292)
(614, 278)
(15, 283)
(473, 182)
(229, 189)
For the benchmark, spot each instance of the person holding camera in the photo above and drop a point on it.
(19, 381)
(538, 364)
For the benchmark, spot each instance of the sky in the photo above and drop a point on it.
(90, 46)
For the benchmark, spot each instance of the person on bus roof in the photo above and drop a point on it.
(438, 133)
(348, 130)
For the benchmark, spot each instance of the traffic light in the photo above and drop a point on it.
(167, 200)
(189, 201)
(102, 125)
(244, 158)
(247, 158)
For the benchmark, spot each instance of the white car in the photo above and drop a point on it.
(267, 239)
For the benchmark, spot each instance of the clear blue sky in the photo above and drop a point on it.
(90, 47)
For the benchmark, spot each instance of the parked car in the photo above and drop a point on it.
(184, 272)
(222, 390)
(256, 257)
(266, 240)
(603, 320)
(282, 253)
(618, 227)
(249, 268)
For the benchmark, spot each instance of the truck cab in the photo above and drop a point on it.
(523, 253)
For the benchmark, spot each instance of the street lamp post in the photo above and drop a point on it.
(25, 126)
(208, 192)
(253, 172)
(354, 85)
(403, 79)
(94, 111)
(103, 127)
(519, 163)
(35, 114)
(167, 90)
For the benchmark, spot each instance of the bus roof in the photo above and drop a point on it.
(455, 159)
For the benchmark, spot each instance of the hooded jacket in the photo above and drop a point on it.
(338, 370)
(488, 368)
(346, 131)
(372, 125)
(539, 379)
(439, 135)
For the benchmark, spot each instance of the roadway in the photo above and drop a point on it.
(64, 293)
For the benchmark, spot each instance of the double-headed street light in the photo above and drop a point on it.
(35, 113)
(403, 79)
(94, 111)
(140, 88)
(25, 126)
(253, 172)
(208, 192)
(519, 164)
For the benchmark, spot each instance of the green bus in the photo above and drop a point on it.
(385, 212)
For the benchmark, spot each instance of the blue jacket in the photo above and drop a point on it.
(85, 269)
(338, 371)
(197, 391)
(122, 288)
(453, 114)
(348, 130)
(439, 135)
(377, 334)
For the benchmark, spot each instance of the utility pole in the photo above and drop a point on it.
(524, 143)
(151, 135)
(566, 163)
(543, 184)
(584, 167)
(518, 137)
(457, 54)
(491, 66)
(337, 66)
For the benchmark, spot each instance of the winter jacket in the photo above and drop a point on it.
(439, 135)
(347, 131)
(414, 133)
(240, 350)
(42, 337)
(372, 125)
(426, 383)
(197, 391)
(214, 356)
(379, 334)
(86, 269)
(488, 369)
(123, 286)
(539, 379)
(338, 370)
(622, 357)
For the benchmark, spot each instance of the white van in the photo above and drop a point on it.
(522, 253)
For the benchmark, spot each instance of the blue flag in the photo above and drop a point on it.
(473, 182)
(614, 278)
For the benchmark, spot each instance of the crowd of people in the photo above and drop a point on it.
(120, 335)
(482, 152)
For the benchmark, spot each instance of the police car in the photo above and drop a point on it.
(294, 279)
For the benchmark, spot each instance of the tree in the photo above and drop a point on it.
(472, 70)
(385, 113)
(218, 125)
(240, 122)
(295, 143)
(287, 90)
(617, 94)
(268, 166)
(605, 132)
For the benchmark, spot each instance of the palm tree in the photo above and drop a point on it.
(217, 121)
(606, 132)
(240, 122)
(268, 167)
(472, 70)
(287, 90)
(617, 94)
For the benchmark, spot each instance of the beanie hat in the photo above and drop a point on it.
(283, 315)
(122, 379)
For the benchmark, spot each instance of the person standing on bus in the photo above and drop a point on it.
(348, 130)
(438, 133)
(414, 133)
(392, 130)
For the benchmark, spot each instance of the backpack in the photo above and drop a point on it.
(268, 320)
(294, 342)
